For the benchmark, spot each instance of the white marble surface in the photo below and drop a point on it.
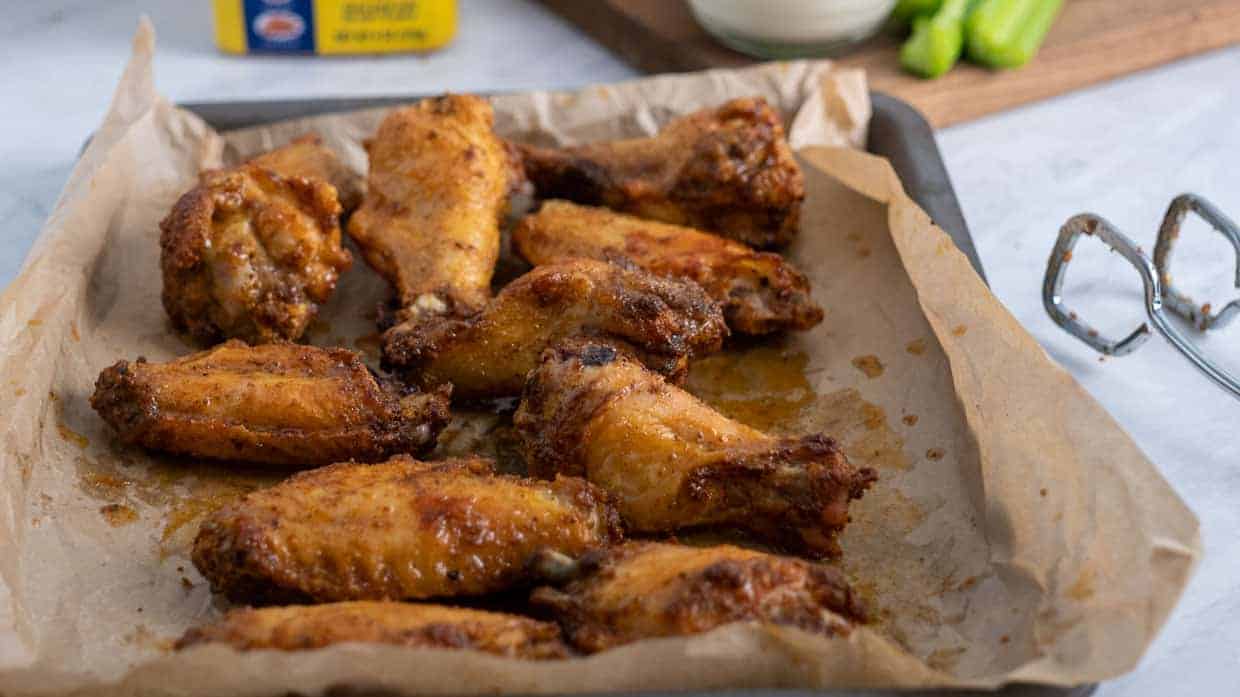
(1121, 149)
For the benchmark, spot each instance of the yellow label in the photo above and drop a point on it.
(230, 26)
(333, 26)
(382, 26)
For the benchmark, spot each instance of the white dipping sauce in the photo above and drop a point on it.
(793, 21)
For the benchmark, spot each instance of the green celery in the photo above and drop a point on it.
(937, 40)
(1007, 33)
(908, 10)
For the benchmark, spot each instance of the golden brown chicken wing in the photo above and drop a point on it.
(728, 170)
(397, 530)
(760, 292)
(640, 590)
(489, 355)
(439, 183)
(671, 462)
(250, 254)
(307, 157)
(276, 403)
(299, 627)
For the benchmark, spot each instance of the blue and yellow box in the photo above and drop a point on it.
(333, 27)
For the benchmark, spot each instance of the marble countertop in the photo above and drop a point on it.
(1122, 149)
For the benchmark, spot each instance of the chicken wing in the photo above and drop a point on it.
(489, 355)
(251, 254)
(276, 403)
(640, 590)
(673, 463)
(728, 170)
(397, 530)
(299, 627)
(438, 186)
(760, 292)
(308, 157)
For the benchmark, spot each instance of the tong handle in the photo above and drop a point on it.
(1173, 222)
(1052, 297)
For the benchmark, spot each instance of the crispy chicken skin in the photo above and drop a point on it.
(308, 157)
(250, 254)
(398, 530)
(673, 463)
(438, 186)
(728, 170)
(300, 627)
(666, 320)
(281, 403)
(640, 590)
(760, 292)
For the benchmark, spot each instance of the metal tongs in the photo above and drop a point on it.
(1160, 295)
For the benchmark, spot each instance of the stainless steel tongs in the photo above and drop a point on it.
(1160, 295)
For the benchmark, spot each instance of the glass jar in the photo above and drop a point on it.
(783, 29)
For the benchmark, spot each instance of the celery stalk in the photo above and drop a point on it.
(1007, 33)
(908, 10)
(937, 40)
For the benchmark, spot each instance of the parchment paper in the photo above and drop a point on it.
(1016, 533)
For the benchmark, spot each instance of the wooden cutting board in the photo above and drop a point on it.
(1092, 41)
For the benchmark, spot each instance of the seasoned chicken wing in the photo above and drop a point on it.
(307, 157)
(760, 292)
(671, 462)
(276, 403)
(299, 627)
(728, 170)
(438, 186)
(489, 355)
(640, 590)
(397, 530)
(250, 253)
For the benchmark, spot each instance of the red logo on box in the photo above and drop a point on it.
(279, 25)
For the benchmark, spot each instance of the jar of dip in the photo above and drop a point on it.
(782, 29)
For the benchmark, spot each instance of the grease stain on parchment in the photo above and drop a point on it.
(178, 494)
(869, 365)
(765, 387)
(71, 435)
(118, 514)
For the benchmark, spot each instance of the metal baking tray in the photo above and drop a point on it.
(898, 132)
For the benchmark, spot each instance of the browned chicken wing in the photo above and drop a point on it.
(398, 530)
(250, 253)
(299, 627)
(640, 590)
(671, 462)
(438, 186)
(728, 170)
(760, 292)
(489, 355)
(276, 403)
(307, 157)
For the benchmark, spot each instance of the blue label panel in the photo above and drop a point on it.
(279, 25)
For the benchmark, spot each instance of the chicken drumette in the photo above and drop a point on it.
(666, 321)
(728, 170)
(251, 252)
(673, 463)
(760, 292)
(299, 627)
(641, 590)
(439, 184)
(276, 403)
(401, 529)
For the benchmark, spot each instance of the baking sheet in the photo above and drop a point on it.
(1016, 533)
